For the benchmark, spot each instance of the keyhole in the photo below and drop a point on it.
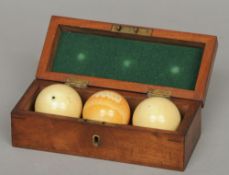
(96, 140)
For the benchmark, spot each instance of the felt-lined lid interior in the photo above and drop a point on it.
(178, 62)
(125, 59)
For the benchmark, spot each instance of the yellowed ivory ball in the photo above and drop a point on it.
(157, 112)
(59, 99)
(107, 106)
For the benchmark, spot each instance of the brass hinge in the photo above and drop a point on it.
(131, 30)
(159, 93)
(76, 83)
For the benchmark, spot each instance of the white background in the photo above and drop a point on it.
(23, 25)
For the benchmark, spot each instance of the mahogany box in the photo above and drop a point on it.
(135, 61)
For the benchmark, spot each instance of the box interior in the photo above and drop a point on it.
(128, 59)
(187, 108)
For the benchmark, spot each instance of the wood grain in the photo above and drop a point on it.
(207, 42)
(124, 143)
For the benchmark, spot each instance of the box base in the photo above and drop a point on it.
(123, 143)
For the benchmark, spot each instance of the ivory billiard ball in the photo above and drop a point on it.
(107, 106)
(157, 112)
(59, 99)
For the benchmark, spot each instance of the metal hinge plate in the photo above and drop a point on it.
(78, 83)
(131, 30)
(159, 93)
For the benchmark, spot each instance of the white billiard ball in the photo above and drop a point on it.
(59, 99)
(157, 112)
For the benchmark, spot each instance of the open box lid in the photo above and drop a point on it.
(128, 58)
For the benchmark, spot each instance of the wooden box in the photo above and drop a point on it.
(123, 143)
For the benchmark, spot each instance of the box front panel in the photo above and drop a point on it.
(97, 140)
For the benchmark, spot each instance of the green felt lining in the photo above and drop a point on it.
(129, 60)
